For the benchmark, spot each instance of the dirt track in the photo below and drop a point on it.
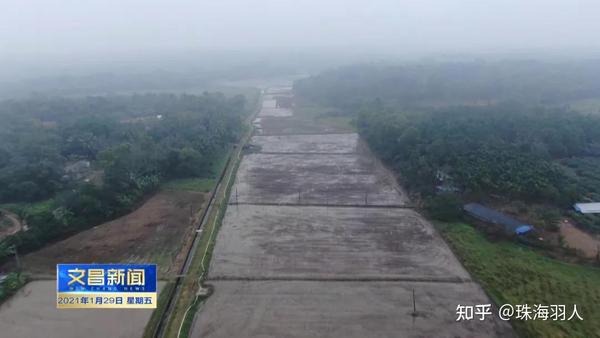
(14, 228)
(295, 270)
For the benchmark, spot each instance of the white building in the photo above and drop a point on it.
(588, 208)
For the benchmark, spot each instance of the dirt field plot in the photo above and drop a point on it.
(275, 112)
(341, 309)
(269, 103)
(334, 144)
(314, 179)
(319, 242)
(280, 90)
(151, 234)
(32, 313)
(300, 125)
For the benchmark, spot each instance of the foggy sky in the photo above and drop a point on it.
(36, 30)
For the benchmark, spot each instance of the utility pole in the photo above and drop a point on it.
(414, 304)
(18, 261)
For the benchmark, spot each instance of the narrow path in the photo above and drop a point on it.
(17, 225)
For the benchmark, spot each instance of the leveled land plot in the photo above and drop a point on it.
(342, 309)
(269, 103)
(269, 108)
(151, 234)
(330, 243)
(32, 313)
(328, 143)
(304, 125)
(276, 112)
(314, 179)
(280, 90)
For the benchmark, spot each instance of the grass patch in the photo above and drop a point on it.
(514, 274)
(341, 123)
(5, 223)
(198, 184)
(29, 208)
(327, 117)
(161, 307)
(11, 284)
(190, 184)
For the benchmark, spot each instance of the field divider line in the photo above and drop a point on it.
(305, 153)
(302, 134)
(368, 206)
(450, 280)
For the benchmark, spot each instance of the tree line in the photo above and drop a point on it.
(132, 144)
(456, 83)
(512, 147)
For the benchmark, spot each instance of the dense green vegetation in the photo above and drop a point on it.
(190, 184)
(11, 284)
(513, 274)
(503, 149)
(97, 157)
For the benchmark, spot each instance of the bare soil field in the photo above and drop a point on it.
(269, 102)
(587, 244)
(314, 179)
(288, 263)
(329, 243)
(301, 125)
(269, 108)
(327, 143)
(154, 233)
(277, 112)
(342, 309)
(277, 90)
(32, 313)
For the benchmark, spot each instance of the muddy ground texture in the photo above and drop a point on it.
(302, 254)
(292, 242)
(151, 234)
(32, 313)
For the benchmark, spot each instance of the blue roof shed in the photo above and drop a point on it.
(511, 225)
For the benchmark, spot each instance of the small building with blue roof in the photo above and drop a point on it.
(511, 226)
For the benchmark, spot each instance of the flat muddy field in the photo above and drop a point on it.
(328, 143)
(326, 179)
(32, 313)
(342, 309)
(329, 243)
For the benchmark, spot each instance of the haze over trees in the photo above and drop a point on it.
(456, 83)
(501, 129)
